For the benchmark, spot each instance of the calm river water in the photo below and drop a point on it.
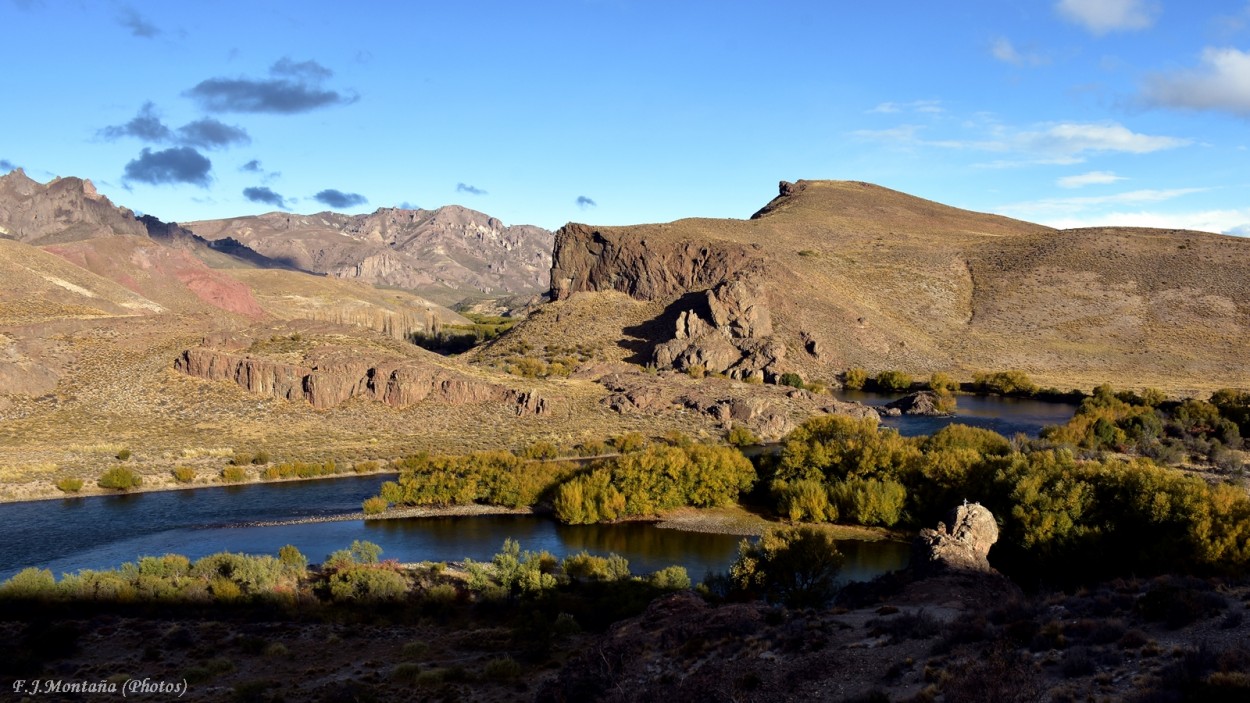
(103, 532)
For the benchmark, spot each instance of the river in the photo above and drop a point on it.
(105, 531)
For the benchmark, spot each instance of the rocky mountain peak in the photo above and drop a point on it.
(63, 210)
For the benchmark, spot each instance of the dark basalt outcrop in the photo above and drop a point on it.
(590, 259)
(331, 377)
(919, 403)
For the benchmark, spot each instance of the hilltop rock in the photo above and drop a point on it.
(594, 259)
(962, 543)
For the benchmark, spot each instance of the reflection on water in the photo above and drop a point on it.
(1006, 416)
(65, 536)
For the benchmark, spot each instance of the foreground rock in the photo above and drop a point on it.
(962, 545)
(919, 403)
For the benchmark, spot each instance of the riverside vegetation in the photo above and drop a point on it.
(1094, 498)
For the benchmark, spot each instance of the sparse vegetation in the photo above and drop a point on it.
(119, 478)
(184, 474)
(1004, 383)
(69, 485)
(893, 381)
(234, 474)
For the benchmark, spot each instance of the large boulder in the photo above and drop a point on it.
(962, 543)
(919, 403)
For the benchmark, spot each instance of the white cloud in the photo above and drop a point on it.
(1063, 143)
(1234, 222)
(1223, 83)
(1069, 206)
(1074, 138)
(1003, 50)
(1091, 178)
(1102, 16)
(924, 106)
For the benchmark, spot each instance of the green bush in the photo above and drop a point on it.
(585, 566)
(893, 381)
(184, 474)
(670, 578)
(835, 447)
(540, 450)
(69, 485)
(291, 557)
(804, 500)
(791, 379)
(119, 478)
(123, 455)
(375, 505)
(870, 501)
(797, 566)
(629, 442)
(367, 582)
(855, 378)
(30, 583)
(234, 474)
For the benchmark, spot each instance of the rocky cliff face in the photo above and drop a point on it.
(62, 210)
(329, 378)
(590, 259)
(451, 251)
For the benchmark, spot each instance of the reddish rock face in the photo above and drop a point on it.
(330, 382)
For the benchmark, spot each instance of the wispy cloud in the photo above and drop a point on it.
(265, 195)
(1103, 16)
(252, 166)
(1221, 84)
(1049, 210)
(931, 107)
(171, 166)
(1003, 50)
(339, 199)
(471, 190)
(6, 166)
(130, 18)
(1088, 179)
(1235, 222)
(583, 202)
(293, 87)
(1051, 143)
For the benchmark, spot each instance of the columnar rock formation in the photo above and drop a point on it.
(330, 378)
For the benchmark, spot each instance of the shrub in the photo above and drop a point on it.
(123, 455)
(241, 458)
(184, 474)
(797, 566)
(291, 557)
(671, 578)
(791, 379)
(940, 382)
(375, 505)
(869, 501)
(234, 474)
(366, 467)
(893, 381)
(741, 436)
(69, 485)
(119, 478)
(29, 583)
(696, 370)
(540, 450)
(629, 442)
(260, 457)
(1004, 383)
(367, 583)
(805, 499)
(502, 669)
(855, 378)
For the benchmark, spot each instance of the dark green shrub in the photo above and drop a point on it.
(797, 566)
(791, 379)
(119, 478)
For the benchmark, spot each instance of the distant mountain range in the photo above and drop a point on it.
(444, 254)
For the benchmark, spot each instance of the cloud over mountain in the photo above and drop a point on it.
(339, 199)
(293, 87)
(205, 133)
(584, 202)
(471, 190)
(171, 166)
(265, 195)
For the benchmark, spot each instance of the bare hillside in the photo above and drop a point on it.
(850, 274)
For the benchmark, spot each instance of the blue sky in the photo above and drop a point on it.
(1065, 112)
